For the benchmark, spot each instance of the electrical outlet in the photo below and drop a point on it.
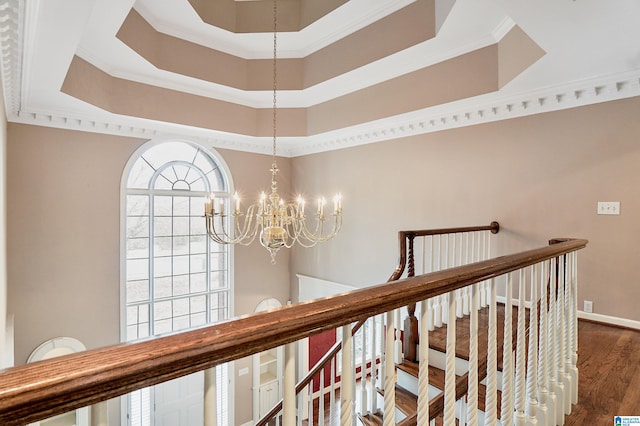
(609, 207)
(588, 306)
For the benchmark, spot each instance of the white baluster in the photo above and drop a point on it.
(433, 255)
(519, 416)
(373, 394)
(437, 310)
(210, 397)
(466, 248)
(431, 315)
(551, 348)
(486, 245)
(440, 254)
(450, 369)
(466, 300)
(423, 371)
(472, 395)
(464, 258)
(346, 379)
(310, 409)
(559, 353)
(563, 319)
(573, 309)
(444, 301)
(363, 370)
(289, 391)
(389, 418)
(491, 417)
(398, 341)
(545, 412)
(455, 262)
(532, 365)
(353, 381)
(321, 399)
(332, 386)
(506, 415)
(568, 331)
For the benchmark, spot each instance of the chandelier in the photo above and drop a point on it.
(277, 223)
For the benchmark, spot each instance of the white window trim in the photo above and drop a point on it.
(123, 241)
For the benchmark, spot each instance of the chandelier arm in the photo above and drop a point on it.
(215, 235)
(317, 235)
(244, 234)
(248, 229)
(313, 235)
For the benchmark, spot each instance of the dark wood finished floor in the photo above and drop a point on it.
(609, 385)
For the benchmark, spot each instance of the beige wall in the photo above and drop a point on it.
(539, 176)
(6, 360)
(64, 238)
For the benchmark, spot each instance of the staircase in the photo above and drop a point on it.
(407, 373)
(490, 368)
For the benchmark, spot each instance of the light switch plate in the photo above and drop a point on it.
(609, 207)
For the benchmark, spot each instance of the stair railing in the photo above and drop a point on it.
(439, 249)
(431, 250)
(33, 392)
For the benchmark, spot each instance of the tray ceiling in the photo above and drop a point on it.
(350, 72)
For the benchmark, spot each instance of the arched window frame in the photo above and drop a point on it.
(223, 192)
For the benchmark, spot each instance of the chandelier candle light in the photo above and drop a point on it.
(279, 224)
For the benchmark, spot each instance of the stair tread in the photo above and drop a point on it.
(438, 336)
(406, 401)
(436, 375)
(370, 419)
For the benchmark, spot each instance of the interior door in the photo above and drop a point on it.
(180, 402)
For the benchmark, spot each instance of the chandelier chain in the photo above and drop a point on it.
(274, 167)
(276, 223)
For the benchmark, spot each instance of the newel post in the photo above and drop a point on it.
(410, 338)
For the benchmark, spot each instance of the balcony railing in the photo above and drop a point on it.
(33, 392)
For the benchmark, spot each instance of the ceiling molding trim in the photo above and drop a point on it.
(11, 22)
(143, 128)
(479, 110)
(482, 109)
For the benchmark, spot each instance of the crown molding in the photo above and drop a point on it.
(479, 110)
(11, 43)
(482, 109)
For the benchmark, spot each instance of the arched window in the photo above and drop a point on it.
(175, 278)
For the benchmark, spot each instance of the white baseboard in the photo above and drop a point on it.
(514, 302)
(247, 423)
(623, 322)
(605, 319)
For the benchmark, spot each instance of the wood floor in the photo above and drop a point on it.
(609, 384)
(609, 368)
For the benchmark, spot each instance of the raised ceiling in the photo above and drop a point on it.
(350, 71)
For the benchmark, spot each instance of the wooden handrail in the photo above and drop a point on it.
(33, 392)
(494, 227)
